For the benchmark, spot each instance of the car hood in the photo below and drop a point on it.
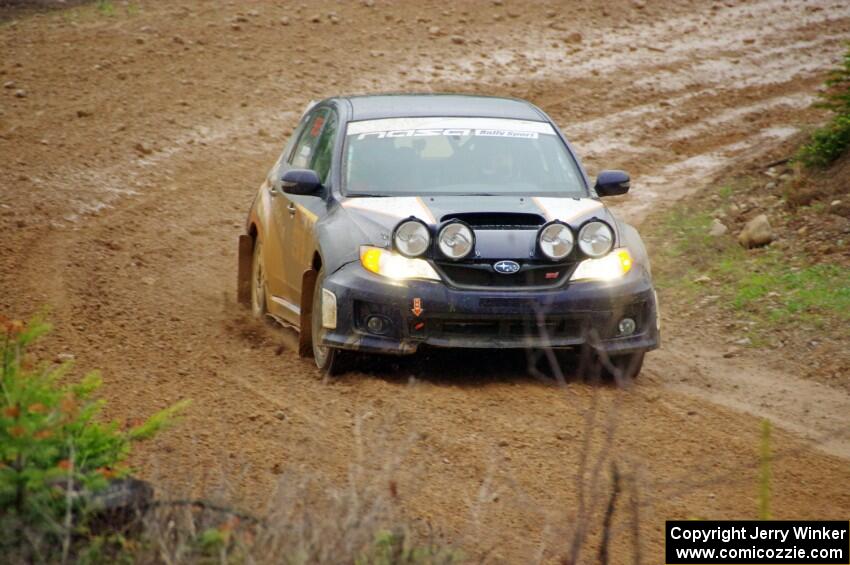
(496, 219)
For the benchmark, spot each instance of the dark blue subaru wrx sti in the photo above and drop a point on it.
(393, 221)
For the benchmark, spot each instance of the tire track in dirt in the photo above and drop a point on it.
(815, 411)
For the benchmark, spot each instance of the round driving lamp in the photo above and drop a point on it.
(411, 238)
(556, 240)
(456, 240)
(595, 239)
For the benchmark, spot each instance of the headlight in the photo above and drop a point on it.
(612, 266)
(556, 240)
(388, 264)
(411, 238)
(456, 240)
(595, 239)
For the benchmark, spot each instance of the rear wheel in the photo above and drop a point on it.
(258, 282)
(328, 359)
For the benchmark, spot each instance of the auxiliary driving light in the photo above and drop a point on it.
(456, 240)
(556, 240)
(627, 326)
(411, 238)
(595, 239)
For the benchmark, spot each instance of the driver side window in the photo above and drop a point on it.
(323, 149)
(302, 155)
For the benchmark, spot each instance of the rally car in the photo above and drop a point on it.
(390, 222)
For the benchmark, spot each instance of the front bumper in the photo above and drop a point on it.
(574, 315)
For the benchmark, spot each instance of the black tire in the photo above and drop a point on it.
(627, 367)
(258, 283)
(329, 360)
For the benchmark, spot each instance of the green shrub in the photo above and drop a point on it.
(827, 144)
(54, 452)
(831, 141)
(106, 7)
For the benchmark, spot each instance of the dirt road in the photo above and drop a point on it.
(132, 141)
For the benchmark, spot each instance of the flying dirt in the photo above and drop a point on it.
(132, 143)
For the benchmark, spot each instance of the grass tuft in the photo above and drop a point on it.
(831, 141)
(768, 285)
(105, 7)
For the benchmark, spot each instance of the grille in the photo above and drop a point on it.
(500, 302)
(505, 327)
(602, 324)
(481, 274)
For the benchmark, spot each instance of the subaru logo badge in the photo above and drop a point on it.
(506, 267)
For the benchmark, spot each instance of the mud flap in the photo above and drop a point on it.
(305, 335)
(243, 275)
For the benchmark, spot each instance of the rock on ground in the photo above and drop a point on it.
(718, 228)
(757, 232)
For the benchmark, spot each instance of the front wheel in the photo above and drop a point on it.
(625, 367)
(328, 359)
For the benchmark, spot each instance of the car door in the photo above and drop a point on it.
(288, 241)
(309, 208)
(274, 232)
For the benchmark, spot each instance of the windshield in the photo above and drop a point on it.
(447, 156)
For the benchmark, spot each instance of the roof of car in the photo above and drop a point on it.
(374, 107)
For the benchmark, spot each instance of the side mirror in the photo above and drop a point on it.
(301, 181)
(612, 183)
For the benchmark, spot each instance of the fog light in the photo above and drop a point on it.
(377, 325)
(627, 326)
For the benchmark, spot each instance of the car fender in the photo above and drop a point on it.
(338, 239)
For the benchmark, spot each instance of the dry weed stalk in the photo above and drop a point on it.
(308, 518)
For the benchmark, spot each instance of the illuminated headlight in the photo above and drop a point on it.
(456, 240)
(595, 239)
(556, 241)
(608, 268)
(392, 265)
(411, 238)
